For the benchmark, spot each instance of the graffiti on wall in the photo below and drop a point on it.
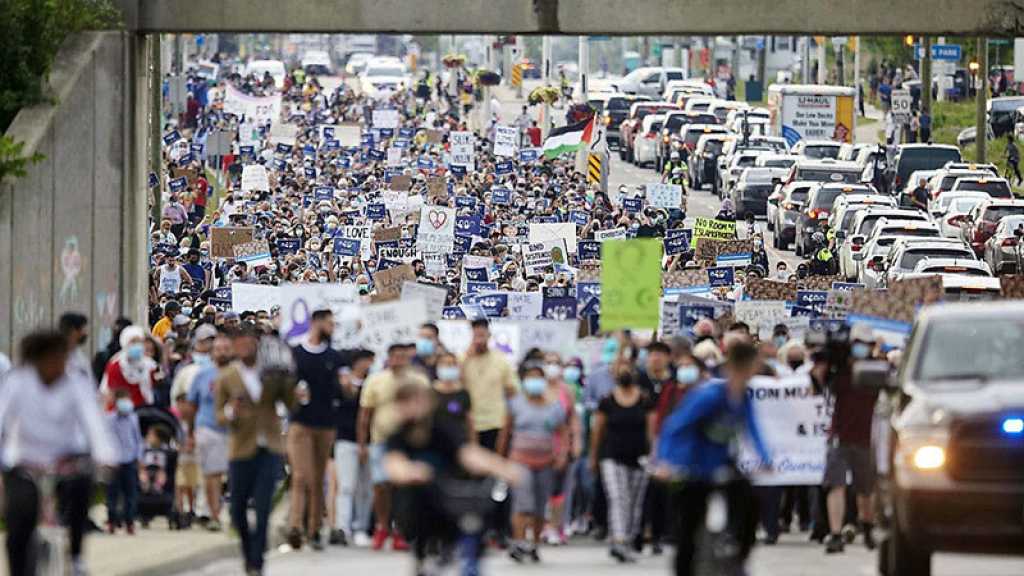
(106, 315)
(71, 268)
(29, 312)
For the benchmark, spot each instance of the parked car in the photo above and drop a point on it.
(832, 171)
(953, 480)
(1000, 250)
(994, 187)
(704, 160)
(382, 78)
(907, 252)
(674, 122)
(1001, 114)
(950, 209)
(784, 209)
(740, 161)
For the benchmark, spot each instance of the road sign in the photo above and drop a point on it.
(838, 42)
(941, 52)
(901, 101)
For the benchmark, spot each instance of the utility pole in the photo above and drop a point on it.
(584, 66)
(856, 69)
(926, 74)
(981, 85)
(805, 64)
(546, 72)
(762, 64)
(822, 62)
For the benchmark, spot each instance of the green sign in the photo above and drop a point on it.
(711, 228)
(630, 283)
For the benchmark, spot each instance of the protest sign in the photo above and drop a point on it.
(224, 239)
(433, 297)
(558, 308)
(394, 157)
(261, 109)
(544, 232)
(814, 299)
(437, 189)
(524, 305)
(348, 135)
(711, 228)
(347, 246)
(387, 323)
(255, 297)
(401, 183)
(387, 234)
(388, 283)
(610, 234)
(436, 232)
(255, 178)
(402, 254)
(685, 278)
(299, 301)
(288, 245)
(385, 118)
(588, 250)
(710, 250)
(540, 257)
(633, 205)
(664, 195)
(435, 136)
(253, 254)
(506, 140)
(761, 289)
(283, 133)
(794, 424)
(462, 150)
(630, 283)
(720, 276)
(757, 313)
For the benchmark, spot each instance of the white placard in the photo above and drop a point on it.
(432, 297)
(436, 264)
(548, 231)
(348, 135)
(505, 140)
(462, 151)
(794, 427)
(610, 234)
(514, 338)
(524, 305)
(538, 257)
(299, 301)
(254, 177)
(255, 297)
(664, 195)
(385, 118)
(436, 229)
(283, 134)
(394, 157)
(757, 313)
(364, 232)
(390, 323)
(261, 109)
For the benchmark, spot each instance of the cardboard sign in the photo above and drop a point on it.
(709, 250)
(223, 240)
(711, 228)
(436, 229)
(506, 141)
(401, 183)
(685, 278)
(664, 195)
(761, 289)
(437, 190)
(389, 282)
(190, 174)
(387, 234)
(435, 137)
(630, 283)
(253, 254)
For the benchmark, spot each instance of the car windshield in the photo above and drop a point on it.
(963, 205)
(692, 136)
(819, 152)
(618, 104)
(912, 257)
(655, 128)
(955, 349)
(996, 213)
(779, 163)
(826, 197)
(385, 71)
(714, 146)
(869, 221)
(914, 159)
(994, 188)
(828, 175)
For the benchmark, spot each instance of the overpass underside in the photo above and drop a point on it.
(632, 17)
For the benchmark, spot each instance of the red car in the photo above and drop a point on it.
(632, 123)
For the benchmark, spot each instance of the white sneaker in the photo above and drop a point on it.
(361, 540)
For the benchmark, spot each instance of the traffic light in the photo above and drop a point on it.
(908, 39)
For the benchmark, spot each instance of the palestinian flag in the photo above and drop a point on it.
(568, 138)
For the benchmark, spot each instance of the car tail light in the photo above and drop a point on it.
(789, 206)
(872, 265)
(955, 220)
(1009, 242)
(607, 119)
(665, 139)
(855, 247)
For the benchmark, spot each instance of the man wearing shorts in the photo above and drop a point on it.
(211, 441)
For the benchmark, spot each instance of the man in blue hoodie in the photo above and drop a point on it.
(698, 445)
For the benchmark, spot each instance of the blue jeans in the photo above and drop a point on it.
(253, 479)
(125, 485)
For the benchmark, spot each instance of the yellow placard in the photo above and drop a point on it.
(630, 283)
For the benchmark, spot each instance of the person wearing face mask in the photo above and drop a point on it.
(620, 441)
(534, 421)
(569, 440)
(782, 271)
(124, 428)
(39, 403)
(130, 369)
(428, 348)
(849, 452)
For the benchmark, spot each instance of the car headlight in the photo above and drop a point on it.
(929, 457)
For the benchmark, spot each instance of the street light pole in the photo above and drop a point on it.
(926, 74)
(584, 66)
(981, 85)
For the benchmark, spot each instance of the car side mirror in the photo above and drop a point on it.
(873, 375)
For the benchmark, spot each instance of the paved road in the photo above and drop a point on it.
(792, 557)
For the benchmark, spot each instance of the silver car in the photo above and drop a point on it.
(855, 240)
(1001, 249)
(786, 210)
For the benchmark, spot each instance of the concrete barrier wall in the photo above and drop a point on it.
(61, 227)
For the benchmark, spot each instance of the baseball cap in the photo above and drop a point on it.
(204, 332)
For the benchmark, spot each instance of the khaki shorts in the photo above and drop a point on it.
(188, 475)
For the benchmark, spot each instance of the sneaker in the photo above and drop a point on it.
(849, 533)
(869, 537)
(361, 540)
(315, 543)
(534, 555)
(213, 526)
(379, 538)
(834, 544)
(130, 528)
(517, 553)
(621, 553)
(656, 549)
(337, 538)
(398, 544)
(295, 538)
(638, 544)
(78, 568)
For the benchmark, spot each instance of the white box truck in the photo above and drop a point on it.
(812, 112)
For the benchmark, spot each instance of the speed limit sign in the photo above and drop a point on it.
(901, 106)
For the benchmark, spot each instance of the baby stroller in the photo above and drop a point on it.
(157, 492)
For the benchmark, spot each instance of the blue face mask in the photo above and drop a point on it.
(779, 341)
(124, 405)
(641, 358)
(135, 352)
(611, 348)
(571, 374)
(860, 350)
(424, 347)
(687, 374)
(448, 373)
(534, 385)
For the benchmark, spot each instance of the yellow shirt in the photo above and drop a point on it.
(162, 327)
(379, 393)
(489, 379)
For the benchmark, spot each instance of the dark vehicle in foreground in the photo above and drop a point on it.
(954, 480)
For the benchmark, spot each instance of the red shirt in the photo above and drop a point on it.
(534, 133)
(202, 187)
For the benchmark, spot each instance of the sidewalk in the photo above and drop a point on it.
(867, 133)
(159, 551)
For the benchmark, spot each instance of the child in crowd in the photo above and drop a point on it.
(123, 490)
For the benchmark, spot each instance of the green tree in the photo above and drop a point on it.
(31, 33)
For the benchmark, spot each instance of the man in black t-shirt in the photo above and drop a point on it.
(352, 489)
(311, 429)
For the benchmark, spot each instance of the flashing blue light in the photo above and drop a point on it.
(1013, 425)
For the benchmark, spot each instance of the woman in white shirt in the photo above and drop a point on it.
(39, 404)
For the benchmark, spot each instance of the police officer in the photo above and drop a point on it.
(675, 171)
(822, 261)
